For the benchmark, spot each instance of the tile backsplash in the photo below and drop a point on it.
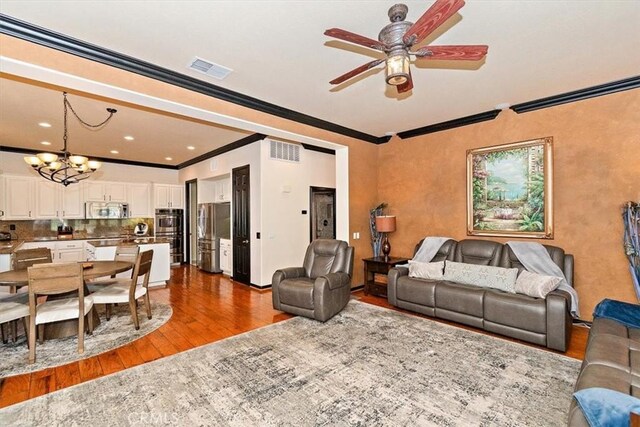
(89, 228)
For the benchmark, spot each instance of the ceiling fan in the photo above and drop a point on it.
(397, 38)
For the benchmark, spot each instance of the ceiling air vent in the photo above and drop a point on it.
(284, 151)
(209, 68)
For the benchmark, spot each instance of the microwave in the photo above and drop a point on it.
(106, 210)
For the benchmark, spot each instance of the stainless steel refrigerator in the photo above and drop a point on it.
(214, 223)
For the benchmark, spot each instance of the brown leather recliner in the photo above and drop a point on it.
(322, 287)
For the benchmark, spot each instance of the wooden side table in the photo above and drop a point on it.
(378, 265)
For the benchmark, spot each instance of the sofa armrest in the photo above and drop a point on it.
(279, 276)
(332, 281)
(392, 282)
(331, 293)
(559, 320)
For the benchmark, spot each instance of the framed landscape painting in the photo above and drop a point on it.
(509, 190)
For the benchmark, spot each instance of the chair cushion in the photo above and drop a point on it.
(61, 309)
(97, 285)
(12, 310)
(515, 310)
(297, 292)
(116, 294)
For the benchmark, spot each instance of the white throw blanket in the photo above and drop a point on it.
(429, 248)
(535, 258)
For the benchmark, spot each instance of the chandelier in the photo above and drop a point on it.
(63, 167)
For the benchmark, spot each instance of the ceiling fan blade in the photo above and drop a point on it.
(460, 52)
(356, 71)
(354, 38)
(407, 86)
(439, 12)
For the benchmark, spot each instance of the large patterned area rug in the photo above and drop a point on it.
(366, 366)
(118, 331)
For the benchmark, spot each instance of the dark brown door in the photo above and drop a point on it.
(323, 213)
(241, 228)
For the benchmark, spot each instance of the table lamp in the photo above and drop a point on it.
(386, 224)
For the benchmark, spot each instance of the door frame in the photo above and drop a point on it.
(187, 215)
(313, 190)
(234, 207)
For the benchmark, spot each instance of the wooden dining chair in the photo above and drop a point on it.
(129, 290)
(25, 258)
(55, 279)
(128, 253)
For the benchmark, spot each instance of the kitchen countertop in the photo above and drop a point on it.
(116, 242)
(10, 246)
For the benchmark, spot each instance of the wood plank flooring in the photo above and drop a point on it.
(206, 308)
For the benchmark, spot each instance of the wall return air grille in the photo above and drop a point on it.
(284, 151)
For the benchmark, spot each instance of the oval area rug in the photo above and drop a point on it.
(107, 336)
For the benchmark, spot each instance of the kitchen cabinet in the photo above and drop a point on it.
(160, 265)
(19, 197)
(100, 191)
(226, 256)
(61, 250)
(70, 251)
(223, 190)
(139, 198)
(56, 201)
(168, 196)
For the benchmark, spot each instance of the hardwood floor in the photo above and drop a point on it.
(206, 308)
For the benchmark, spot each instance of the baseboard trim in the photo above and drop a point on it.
(357, 288)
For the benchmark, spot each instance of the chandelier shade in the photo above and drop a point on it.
(65, 168)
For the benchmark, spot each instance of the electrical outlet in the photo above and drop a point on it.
(356, 235)
(12, 227)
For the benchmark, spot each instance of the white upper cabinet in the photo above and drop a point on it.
(98, 191)
(72, 202)
(168, 196)
(54, 200)
(139, 199)
(47, 199)
(223, 190)
(19, 197)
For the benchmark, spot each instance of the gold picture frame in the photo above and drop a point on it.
(510, 190)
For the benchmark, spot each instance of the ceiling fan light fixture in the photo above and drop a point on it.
(397, 68)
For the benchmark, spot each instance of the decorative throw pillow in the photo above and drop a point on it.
(536, 285)
(484, 276)
(426, 270)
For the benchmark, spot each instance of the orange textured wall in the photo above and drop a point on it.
(362, 155)
(597, 169)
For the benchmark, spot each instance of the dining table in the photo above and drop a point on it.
(92, 270)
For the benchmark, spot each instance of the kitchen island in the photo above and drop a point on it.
(105, 249)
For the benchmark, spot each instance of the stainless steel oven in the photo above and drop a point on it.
(169, 227)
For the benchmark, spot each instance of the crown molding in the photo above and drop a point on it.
(20, 150)
(224, 149)
(450, 124)
(578, 95)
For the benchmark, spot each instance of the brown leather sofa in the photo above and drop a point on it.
(612, 361)
(544, 322)
(319, 289)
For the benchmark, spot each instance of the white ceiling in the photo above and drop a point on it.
(279, 54)
(156, 136)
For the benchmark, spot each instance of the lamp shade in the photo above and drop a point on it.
(386, 224)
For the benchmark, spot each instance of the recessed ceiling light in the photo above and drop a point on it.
(114, 152)
(191, 147)
(44, 124)
(168, 158)
(129, 138)
(45, 143)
